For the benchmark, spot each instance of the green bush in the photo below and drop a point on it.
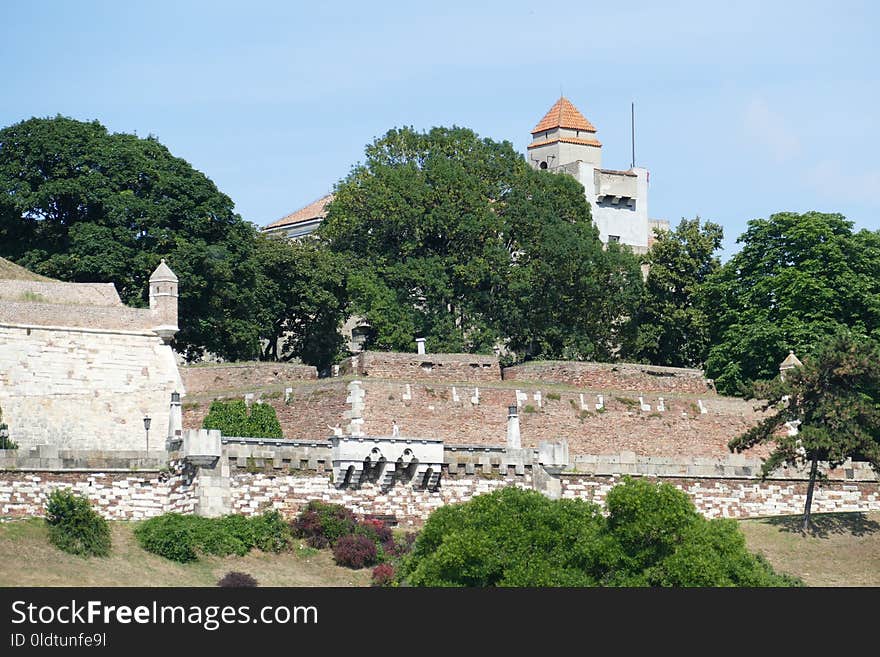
(652, 536)
(182, 538)
(75, 527)
(232, 419)
(323, 522)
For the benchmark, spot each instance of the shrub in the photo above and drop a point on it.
(236, 579)
(181, 538)
(653, 536)
(171, 535)
(75, 527)
(396, 548)
(383, 575)
(232, 419)
(374, 529)
(331, 521)
(355, 551)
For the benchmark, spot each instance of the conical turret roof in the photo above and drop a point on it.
(563, 114)
(163, 273)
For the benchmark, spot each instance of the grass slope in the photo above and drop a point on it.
(33, 561)
(11, 271)
(842, 550)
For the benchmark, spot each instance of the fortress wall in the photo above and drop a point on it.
(95, 294)
(114, 318)
(432, 367)
(79, 389)
(311, 407)
(613, 376)
(206, 378)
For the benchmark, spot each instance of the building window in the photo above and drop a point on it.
(544, 165)
(614, 238)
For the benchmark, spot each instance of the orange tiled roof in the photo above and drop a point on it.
(316, 210)
(615, 172)
(563, 115)
(567, 140)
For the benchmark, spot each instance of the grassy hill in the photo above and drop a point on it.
(844, 550)
(11, 271)
(33, 561)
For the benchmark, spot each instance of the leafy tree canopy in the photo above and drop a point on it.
(82, 204)
(455, 238)
(652, 536)
(671, 326)
(797, 279)
(835, 398)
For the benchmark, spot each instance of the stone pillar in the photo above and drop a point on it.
(513, 438)
(175, 421)
(420, 346)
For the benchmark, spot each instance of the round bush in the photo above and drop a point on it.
(236, 579)
(75, 527)
(171, 535)
(355, 551)
(322, 519)
(383, 575)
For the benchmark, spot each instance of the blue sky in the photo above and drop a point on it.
(742, 108)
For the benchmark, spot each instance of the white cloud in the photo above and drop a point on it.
(767, 128)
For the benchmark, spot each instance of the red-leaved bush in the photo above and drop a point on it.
(375, 529)
(383, 574)
(355, 551)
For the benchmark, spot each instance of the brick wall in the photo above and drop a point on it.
(434, 367)
(208, 378)
(306, 415)
(613, 376)
(116, 496)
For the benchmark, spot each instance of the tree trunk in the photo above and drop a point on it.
(810, 486)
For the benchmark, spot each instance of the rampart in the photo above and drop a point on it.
(231, 376)
(432, 367)
(613, 376)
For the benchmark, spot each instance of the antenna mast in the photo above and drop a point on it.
(633, 124)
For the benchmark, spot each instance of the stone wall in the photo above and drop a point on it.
(305, 414)
(613, 376)
(433, 367)
(112, 318)
(85, 388)
(230, 376)
(92, 294)
(116, 496)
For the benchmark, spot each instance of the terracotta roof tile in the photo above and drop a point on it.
(563, 115)
(567, 140)
(314, 210)
(615, 172)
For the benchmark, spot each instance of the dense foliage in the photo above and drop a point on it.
(355, 551)
(672, 328)
(183, 537)
(835, 396)
(797, 279)
(456, 239)
(652, 536)
(74, 526)
(232, 419)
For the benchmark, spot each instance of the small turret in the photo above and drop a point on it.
(791, 362)
(163, 301)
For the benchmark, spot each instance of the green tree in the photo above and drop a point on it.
(835, 396)
(797, 279)
(231, 418)
(301, 300)
(78, 203)
(671, 326)
(652, 536)
(455, 238)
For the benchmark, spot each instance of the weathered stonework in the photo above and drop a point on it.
(613, 376)
(432, 367)
(232, 376)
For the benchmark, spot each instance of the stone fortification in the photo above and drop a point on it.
(79, 370)
(614, 376)
(432, 367)
(234, 376)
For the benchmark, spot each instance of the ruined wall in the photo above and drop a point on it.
(433, 367)
(613, 376)
(86, 389)
(229, 376)
(304, 415)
